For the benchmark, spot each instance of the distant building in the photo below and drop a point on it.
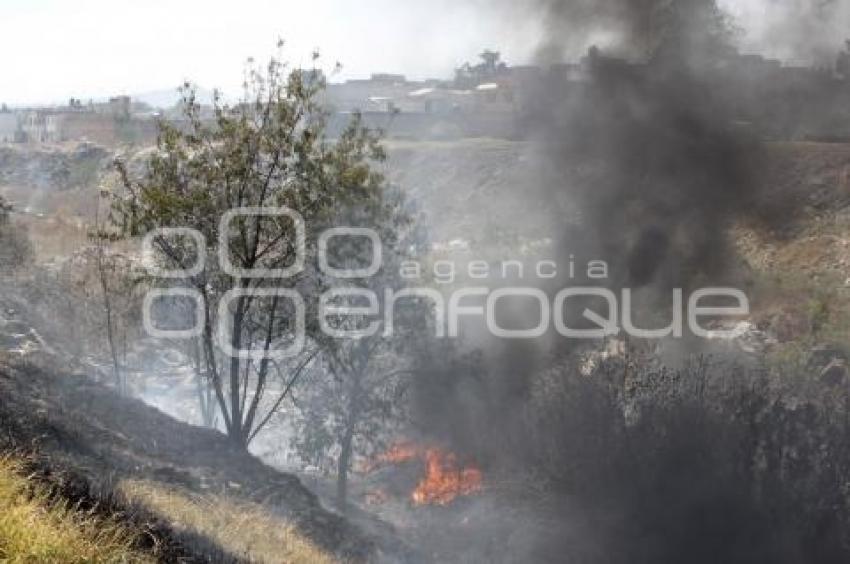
(379, 93)
(494, 97)
(41, 126)
(439, 101)
(9, 130)
(119, 107)
(106, 123)
(388, 78)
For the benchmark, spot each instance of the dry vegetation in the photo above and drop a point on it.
(245, 529)
(164, 476)
(54, 237)
(34, 527)
(801, 272)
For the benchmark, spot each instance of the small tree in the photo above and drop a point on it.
(112, 270)
(347, 408)
(361, 394)
(269, 150)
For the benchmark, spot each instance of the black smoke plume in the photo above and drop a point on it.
(643, 166)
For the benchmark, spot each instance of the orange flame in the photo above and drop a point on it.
(445, 479)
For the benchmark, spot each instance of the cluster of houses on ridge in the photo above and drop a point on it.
(489, 99)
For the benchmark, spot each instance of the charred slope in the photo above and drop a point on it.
(79, 426)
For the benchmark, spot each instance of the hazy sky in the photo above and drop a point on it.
(54, 49)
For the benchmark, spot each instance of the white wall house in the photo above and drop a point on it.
(42, 127)
(8, 127)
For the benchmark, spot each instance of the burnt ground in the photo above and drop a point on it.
(78, 427)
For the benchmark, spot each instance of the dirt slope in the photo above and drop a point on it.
(78, 425)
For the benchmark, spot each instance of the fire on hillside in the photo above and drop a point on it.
(446, 477)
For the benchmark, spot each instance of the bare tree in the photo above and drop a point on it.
(106, 267)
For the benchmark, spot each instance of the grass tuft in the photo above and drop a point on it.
(242, 528)
(35, 527)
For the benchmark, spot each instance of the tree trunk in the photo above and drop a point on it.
(237, 432)
(120, 384)
(342, 467)
(213, 374)
(347, 445)
(206, 396)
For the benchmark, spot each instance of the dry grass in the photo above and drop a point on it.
(54, 237)
(34, 528)
(59, 236)
(242, 528)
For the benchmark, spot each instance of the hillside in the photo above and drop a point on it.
(36, 527)
(107, 445)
